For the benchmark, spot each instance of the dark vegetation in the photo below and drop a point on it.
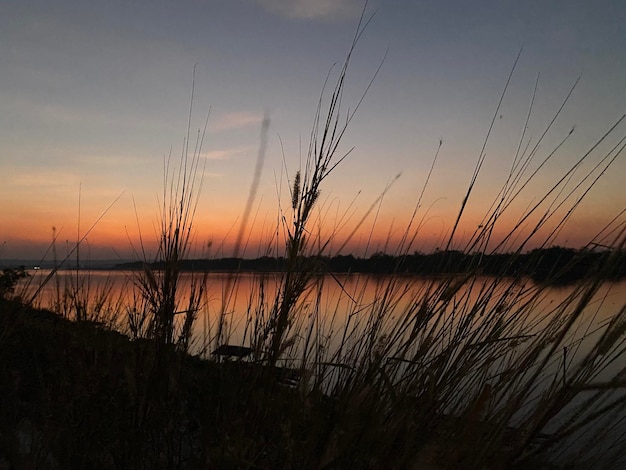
(556, 265)
(75, 395)
(9, 278)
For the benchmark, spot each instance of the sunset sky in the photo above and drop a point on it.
(93, 95)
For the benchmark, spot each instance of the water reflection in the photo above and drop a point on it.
(334, 301)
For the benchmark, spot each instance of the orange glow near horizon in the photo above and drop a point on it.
(29, 233)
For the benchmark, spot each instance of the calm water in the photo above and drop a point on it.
(331, 300)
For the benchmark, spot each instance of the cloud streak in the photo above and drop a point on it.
(44, 179)
(314, 9)
(237, 120)
(225, 154)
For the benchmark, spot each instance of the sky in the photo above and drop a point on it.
(94, 96)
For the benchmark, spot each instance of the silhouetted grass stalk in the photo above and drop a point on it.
(159, 282)
(322, 158)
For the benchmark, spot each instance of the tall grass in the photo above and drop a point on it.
(159, 280)
(466, 372)
(302, 248)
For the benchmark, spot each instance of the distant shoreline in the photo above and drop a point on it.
(553, 265)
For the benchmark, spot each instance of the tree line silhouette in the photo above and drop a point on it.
(557, 265)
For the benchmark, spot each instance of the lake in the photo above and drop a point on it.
(333, 300)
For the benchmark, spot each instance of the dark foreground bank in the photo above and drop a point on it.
(76, 395)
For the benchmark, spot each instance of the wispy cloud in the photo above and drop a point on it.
(236, 120)
(225, 154)
(50, 112)
(314, 9)
(72, 115)
(43, 179)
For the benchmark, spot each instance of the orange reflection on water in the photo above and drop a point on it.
(341, 311)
